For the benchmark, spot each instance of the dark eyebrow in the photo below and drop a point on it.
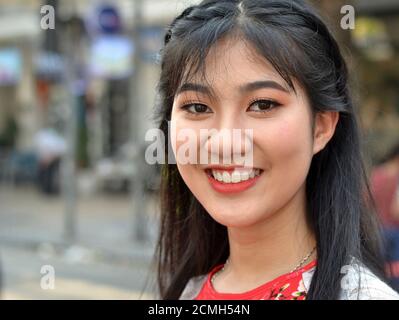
(194, 87)
(252, 86)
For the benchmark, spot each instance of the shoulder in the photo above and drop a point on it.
(193, 287)
(360, 283)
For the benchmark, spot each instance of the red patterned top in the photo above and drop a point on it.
(288, 286)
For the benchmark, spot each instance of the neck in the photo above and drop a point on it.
(273, 247)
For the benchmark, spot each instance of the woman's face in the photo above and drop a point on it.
(281, 121)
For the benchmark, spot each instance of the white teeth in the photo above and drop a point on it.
(244, 175)
(236, 176)
(226, 177)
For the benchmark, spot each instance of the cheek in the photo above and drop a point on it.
(174, 128)
(293, 137)
(287, 136)
(185, 141)
(182, 146)
(286, 147)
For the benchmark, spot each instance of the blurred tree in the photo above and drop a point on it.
(375, 82)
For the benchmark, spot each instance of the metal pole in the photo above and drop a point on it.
(69, 166)
(138, 210)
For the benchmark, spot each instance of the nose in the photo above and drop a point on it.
(229, 143)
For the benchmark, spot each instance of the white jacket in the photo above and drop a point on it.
(357, 283)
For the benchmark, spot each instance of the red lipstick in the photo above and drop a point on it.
(223, 187)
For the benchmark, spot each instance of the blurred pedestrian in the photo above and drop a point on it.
(8, 139)
(50, 147)
(9, 135)
(385, 188)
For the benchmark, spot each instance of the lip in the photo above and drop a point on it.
(230, 187)
(227, 168)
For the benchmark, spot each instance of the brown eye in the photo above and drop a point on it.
(197, 108)
(263, 105)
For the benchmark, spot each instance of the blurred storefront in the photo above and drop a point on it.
(96, 37)
(19, 35)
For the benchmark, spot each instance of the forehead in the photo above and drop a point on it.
(233, 61)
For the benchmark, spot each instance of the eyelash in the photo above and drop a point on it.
(189, 104)
(271, 101)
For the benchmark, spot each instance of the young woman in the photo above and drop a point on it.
(295, 224)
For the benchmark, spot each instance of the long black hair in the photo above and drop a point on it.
(292, 37)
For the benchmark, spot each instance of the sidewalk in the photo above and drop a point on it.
(31, 220)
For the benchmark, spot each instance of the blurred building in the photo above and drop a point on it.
(32, 69)
(19, 38)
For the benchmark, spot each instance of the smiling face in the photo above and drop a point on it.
(243, 91)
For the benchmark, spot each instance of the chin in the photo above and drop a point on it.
(233, 217)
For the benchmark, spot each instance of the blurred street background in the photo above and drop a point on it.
(76, 98)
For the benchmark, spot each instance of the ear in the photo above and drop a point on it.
(324, 128)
